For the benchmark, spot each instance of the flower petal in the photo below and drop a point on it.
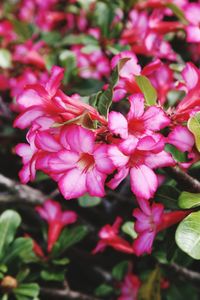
(117, 124)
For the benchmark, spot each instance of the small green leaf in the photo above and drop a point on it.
(9, 222)
(150, 290)
(21, 248)
(189, 200)
(194, 126)
(68, 61)
(147, 89)
(22, 29)
(5, 58)
(3, 268)
(103, 290)
(23, 273)
(52, 275)
(178, 12)
(188, 235)
(73, 39)
(120, 270)
(52, 37)
(128, 228)
(68, 238)
(177, 154)
(27, 290)
(61, 262)
(88, 201)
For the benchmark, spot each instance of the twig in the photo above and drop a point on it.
(189, 183)
(184, 272)
(65, 293)
(22, 192)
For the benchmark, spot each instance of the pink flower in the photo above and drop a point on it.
(192, 13)
(181, 138)
(56, 219)
(145, 155)
(130, 287)
(91, 65)
(149, 221)
(81, 166)
(148, 218)
(109, 237)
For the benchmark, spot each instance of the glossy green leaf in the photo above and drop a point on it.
(128, 228)
(5, 58)
(177, 154)
(194, 127)
(189, 200)
(73, 39)
(68, 238)
(177, 11)
(104, 290)
(150, 290)
(52, 275)
(188, 235)
(88, 201)
(61, 262)
(120, 270)
(147, 89)
(27, 290)
(9, 222)
(20, 248)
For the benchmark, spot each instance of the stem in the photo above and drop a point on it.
(65, 294)
(190, 184)
(22, 192)
(184, 272)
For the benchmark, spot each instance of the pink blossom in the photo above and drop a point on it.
(130, 287)
(149, 221)
(145, 155)
(192, 13)
(181, 138)
(81, 166)
(91, 65)
(56, 219)
(109, 237)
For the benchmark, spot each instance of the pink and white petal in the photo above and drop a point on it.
(54, 81)
(143, 243)
(136, 106)
(102, 161)
(53, 209)
(121, 175)
(79, 139)
(62, 161)
(117, 157)
(73, 184)
(157, 213)
(68, 217)
(47, 142)
(42, 212)
(117, 124)
(181, 138)
(25, 151)
(128, 146)
(159, 160)
(193, 34)
(24, 174)
(155, 118)
(95, 181)
(119, 93)
(144, 182)
(26, 118)
(30, 97)
(191, 75)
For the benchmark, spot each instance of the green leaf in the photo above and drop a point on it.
(3, 268)
(147, 89)
(68, 238)
(194, 126)
(68, 61)
(103, 290)
(53, 275)
(9, 222)
(189, 200)
(128, 228)
(22, 29)
(178, 12)
(88, 201)
(188, 235)
(21, 248)
(73, 39)
(23, 273)
(27, 290)
(150, 290)
(177, 154)
(120, 270)
(52, 37)
(168, 195)
(61, 262)
(5, 58)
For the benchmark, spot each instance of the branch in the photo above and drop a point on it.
(184, 272)
(190, 184)
(21, 192)
(66, 293)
